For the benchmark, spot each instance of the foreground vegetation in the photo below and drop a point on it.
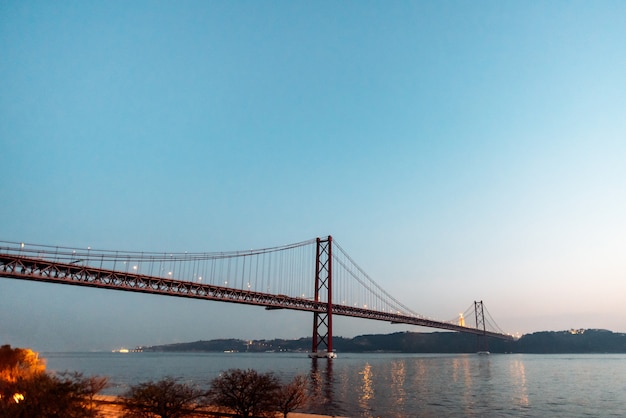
(27, 390)
(236, 392)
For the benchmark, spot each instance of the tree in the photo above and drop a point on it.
(245, 392)
(16, 363)
(17, 367)
(92, 385)
(291, 396)
(26, 390)
(166, 398)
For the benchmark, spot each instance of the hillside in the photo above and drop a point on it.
(547, 342)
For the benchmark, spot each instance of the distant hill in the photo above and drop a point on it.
(573, 341)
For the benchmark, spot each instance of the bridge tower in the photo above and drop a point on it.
(482, 345)
(322, 342)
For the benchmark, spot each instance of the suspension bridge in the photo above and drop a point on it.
(317, 276)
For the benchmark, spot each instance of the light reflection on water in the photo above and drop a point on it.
(398, 377)
(520, 392)
(397, 385)
(367, 388)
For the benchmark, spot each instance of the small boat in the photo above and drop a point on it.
(323, 354)
(483, 353)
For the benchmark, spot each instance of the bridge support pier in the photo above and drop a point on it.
(322, 341)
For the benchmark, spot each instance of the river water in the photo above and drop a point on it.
(397, 385)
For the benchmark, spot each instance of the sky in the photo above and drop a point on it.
(458, 151)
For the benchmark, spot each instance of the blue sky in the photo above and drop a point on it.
(458, 151)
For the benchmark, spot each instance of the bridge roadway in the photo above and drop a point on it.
(37, 269)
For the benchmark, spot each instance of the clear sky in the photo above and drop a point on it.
(458, 151)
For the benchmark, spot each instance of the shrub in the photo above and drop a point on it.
(19, 363)
(166, 398)
(245, 392)
(291, 396)
(68, 395)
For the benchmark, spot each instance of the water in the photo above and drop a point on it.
(397, 385)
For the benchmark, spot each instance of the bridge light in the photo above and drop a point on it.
(134, 267)
(199, 278)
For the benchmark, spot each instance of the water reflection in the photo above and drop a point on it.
(461, 369)
(322, 387)
(485, 389)
(518, 373)
(425, 386)
(462, 376)
(398, 377)
(367, 387)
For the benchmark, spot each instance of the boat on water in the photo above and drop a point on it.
(323, 354)
(483, 353)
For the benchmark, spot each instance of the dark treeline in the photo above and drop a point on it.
(547, 342)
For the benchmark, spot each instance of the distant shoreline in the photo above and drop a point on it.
(579, 341)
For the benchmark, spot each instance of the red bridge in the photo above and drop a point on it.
(316, 276)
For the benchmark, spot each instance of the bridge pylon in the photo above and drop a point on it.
(322, 341)
(482, 344)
